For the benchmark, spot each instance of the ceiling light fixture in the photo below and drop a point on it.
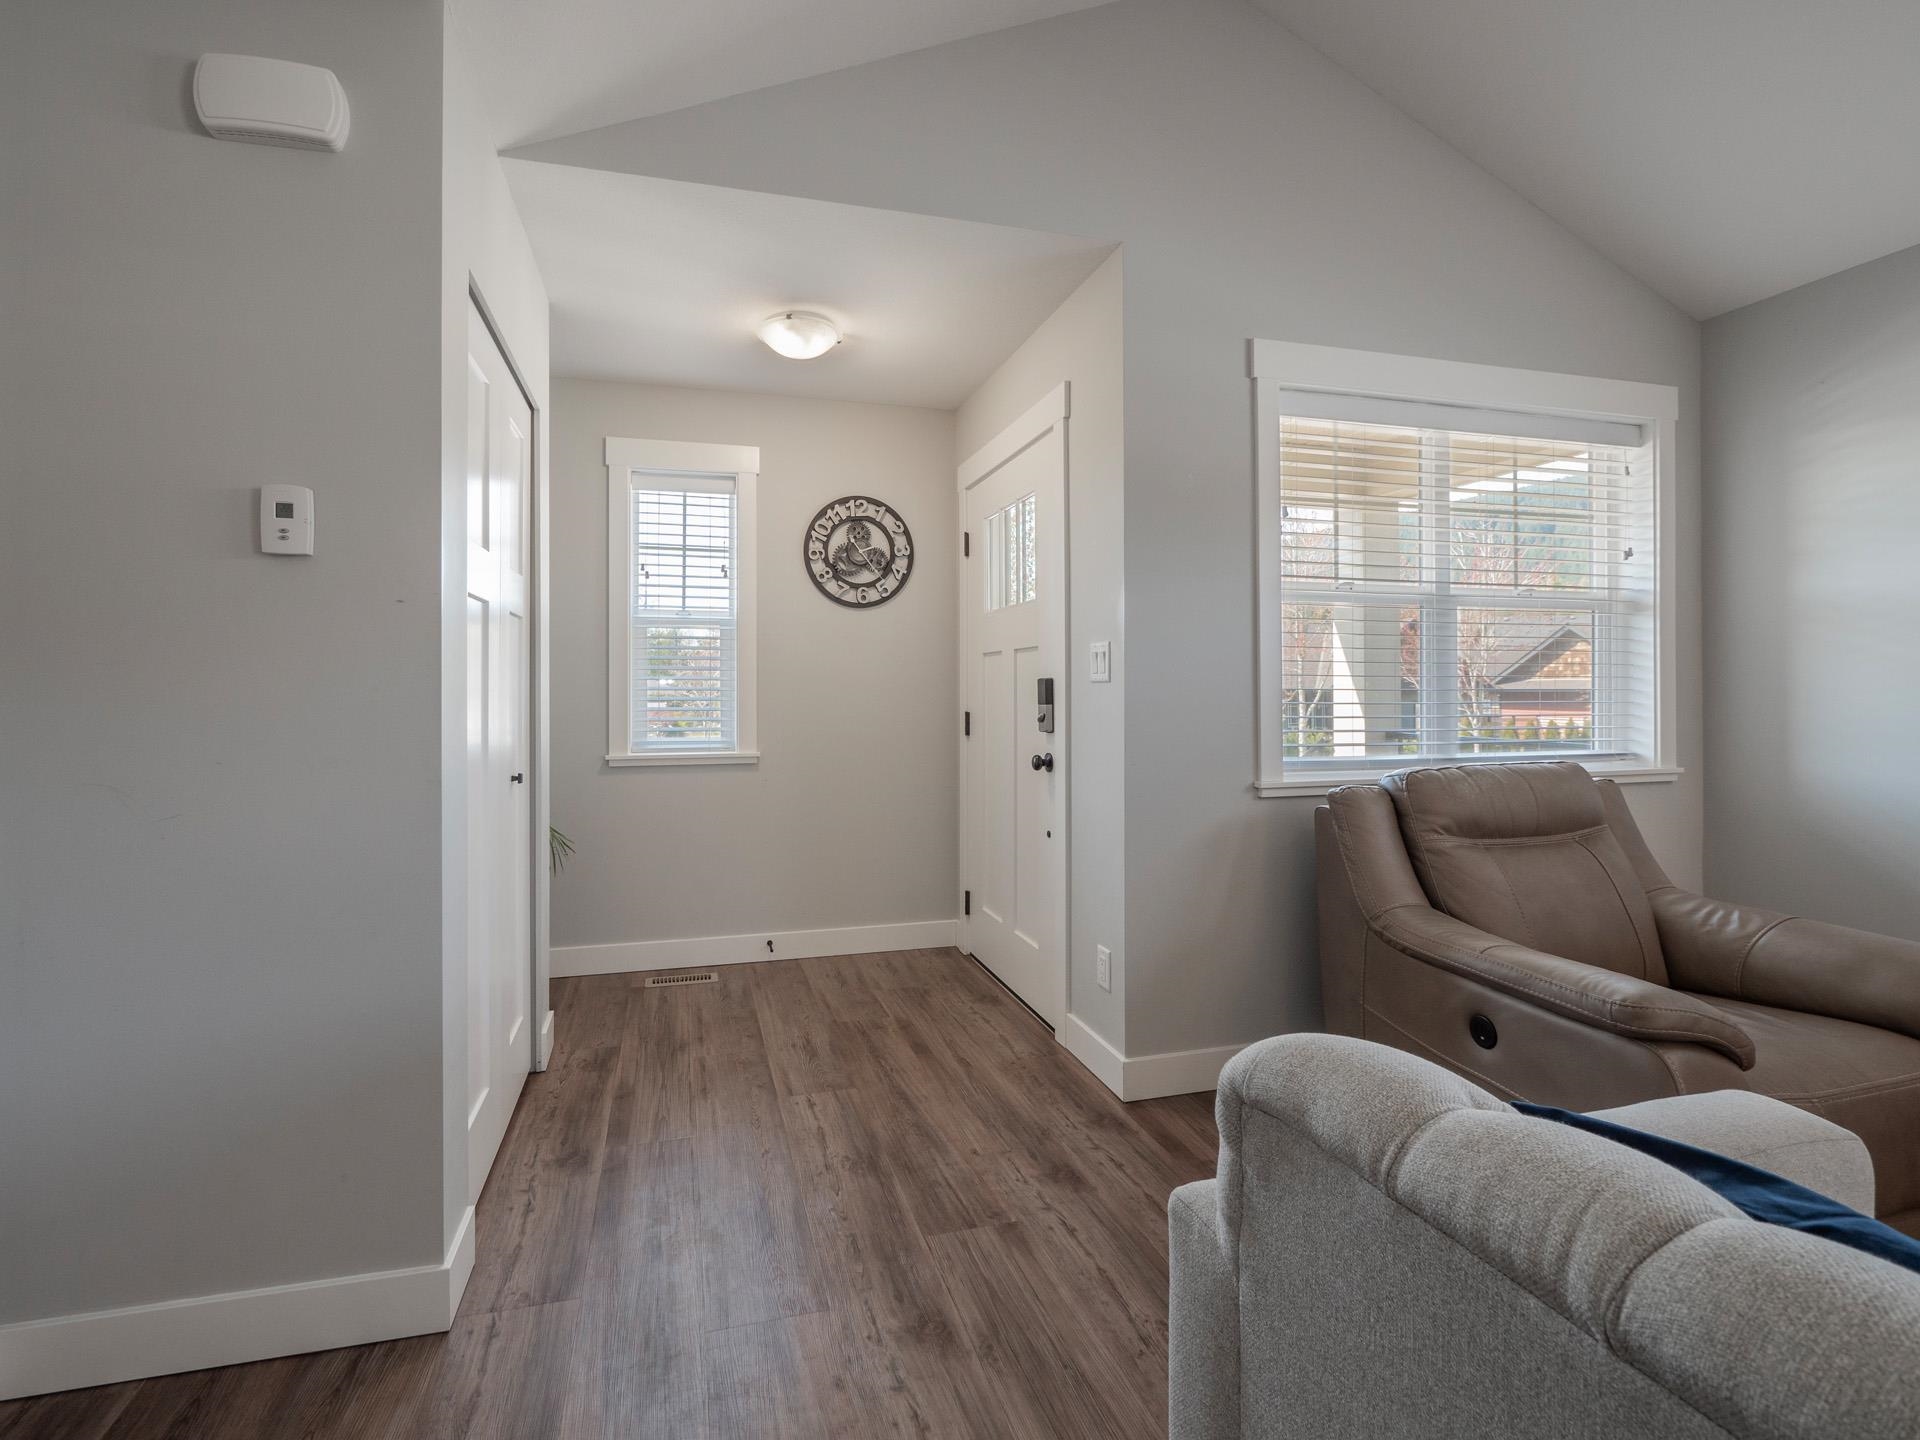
(799, 334)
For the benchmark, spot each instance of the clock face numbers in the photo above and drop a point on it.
(858, 551)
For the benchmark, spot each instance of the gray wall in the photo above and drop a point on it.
(850, 816)
(1813, 511)
(1259, 191)
(220, 958)
(1081, 344)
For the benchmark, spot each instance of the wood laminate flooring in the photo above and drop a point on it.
(856, 1196)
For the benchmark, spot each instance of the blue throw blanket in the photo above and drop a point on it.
(1758, 1193)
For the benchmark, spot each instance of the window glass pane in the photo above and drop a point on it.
(1526, 681)
(684, 664)
(1012, 574)
(1528, 514)
(1351, 681)
(1451, 594)
(1350, 502)
(683, 551)
(683, 686)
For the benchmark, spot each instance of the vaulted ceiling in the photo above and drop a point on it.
(555, 67)
(1720, 150)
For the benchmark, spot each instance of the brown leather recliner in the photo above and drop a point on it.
(1508, 922)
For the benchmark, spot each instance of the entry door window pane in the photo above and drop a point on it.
(1011, 575)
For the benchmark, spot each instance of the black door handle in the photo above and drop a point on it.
(1043, 762)
(517, 778)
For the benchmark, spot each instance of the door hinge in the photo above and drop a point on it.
(966, 902)
(966, 722)
(966, 542)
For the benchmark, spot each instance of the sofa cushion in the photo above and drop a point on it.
(1758, 1193)
(1525, 852)
(1805, 1148)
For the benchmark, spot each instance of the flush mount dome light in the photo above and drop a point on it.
(799, 334)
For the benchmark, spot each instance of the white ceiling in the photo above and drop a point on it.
(664, 281)
(554, 67)
(1720, 150)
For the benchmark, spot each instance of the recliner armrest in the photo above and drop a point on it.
(1203, 1320)
(1586, 993)
(1746, 953)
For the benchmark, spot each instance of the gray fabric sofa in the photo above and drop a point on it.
(1390, 1251)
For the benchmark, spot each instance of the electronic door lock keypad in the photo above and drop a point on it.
(1044, 695)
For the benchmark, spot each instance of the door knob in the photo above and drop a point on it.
(518, 778)
(1043, 762)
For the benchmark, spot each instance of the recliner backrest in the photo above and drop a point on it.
(1524, 851)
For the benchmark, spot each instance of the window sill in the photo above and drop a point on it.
(691, 757)
(1319, 785)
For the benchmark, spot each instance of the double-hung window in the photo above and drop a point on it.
(680, 567)
(1458, 563)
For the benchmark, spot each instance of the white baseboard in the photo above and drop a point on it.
(1091, 1049)
(1176, 1072)
(743, 949)
(459, 1268)
(1145, 1077)
(70, 1352)
(543, 1052)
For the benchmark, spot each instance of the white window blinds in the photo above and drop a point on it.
(684, 617)
(1462, 585)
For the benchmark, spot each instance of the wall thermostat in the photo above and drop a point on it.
(286, 520)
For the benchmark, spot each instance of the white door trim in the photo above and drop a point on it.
(1047, 412)
(1047, 415)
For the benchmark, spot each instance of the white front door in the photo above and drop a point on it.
(500, 814)
(1014, 769)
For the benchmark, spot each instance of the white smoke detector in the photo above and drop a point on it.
(270, 102)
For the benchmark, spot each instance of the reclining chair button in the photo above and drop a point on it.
(1483, 1033)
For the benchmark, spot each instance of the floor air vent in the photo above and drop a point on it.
(698, 977)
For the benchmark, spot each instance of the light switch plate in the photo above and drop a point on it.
(1100, 662)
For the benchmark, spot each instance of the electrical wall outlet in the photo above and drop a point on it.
(1103, 967)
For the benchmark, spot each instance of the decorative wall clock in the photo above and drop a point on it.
(859, 551)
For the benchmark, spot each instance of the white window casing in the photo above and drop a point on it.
(1459, 562)
(681, 604)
